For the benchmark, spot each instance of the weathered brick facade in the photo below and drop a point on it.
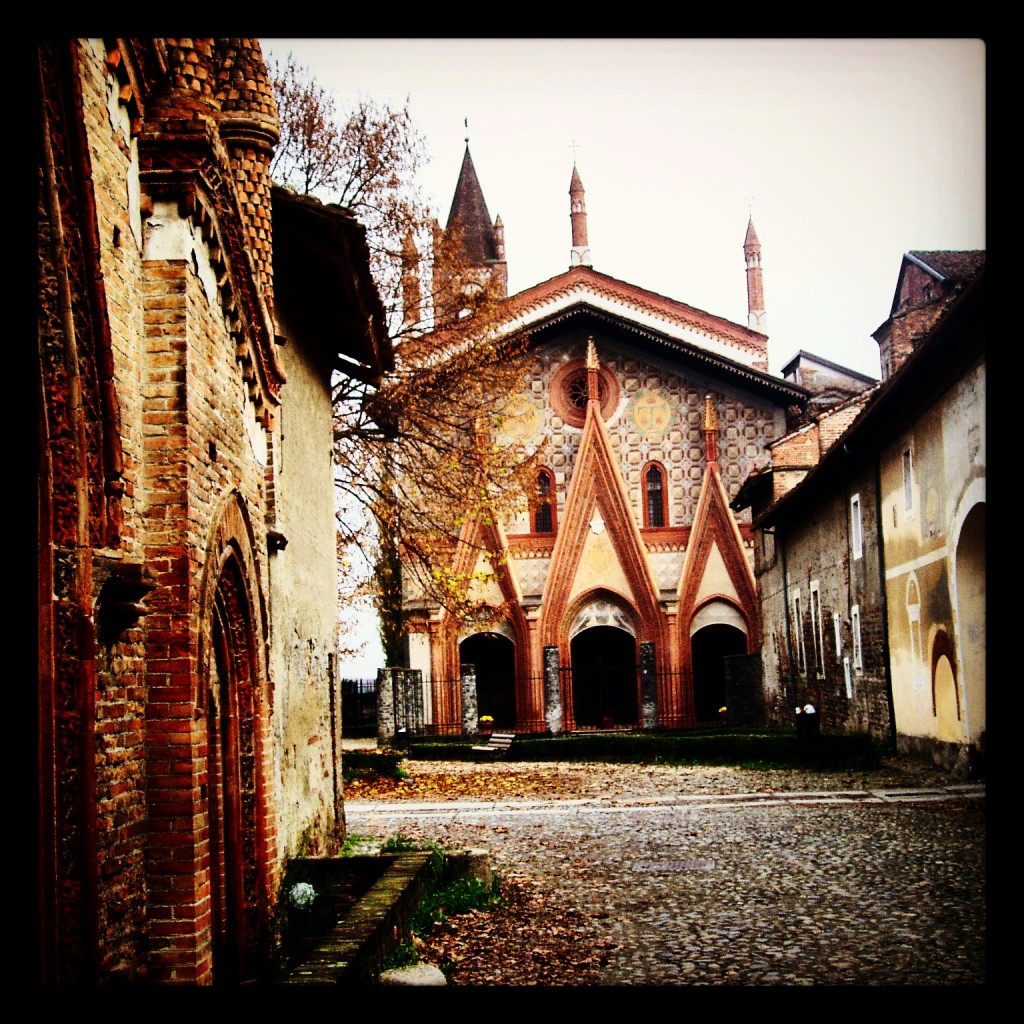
(906, 460)
(166, 815)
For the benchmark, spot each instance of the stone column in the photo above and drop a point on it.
(470, 716)
(552, 690)
(648, 686)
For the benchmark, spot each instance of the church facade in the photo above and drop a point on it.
(628, 578)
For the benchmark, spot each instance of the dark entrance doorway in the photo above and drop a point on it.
(710, 646)
(234, 791)
(494, 658)
(604, 679)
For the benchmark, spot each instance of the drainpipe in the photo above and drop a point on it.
(780, 547)
(886, 662)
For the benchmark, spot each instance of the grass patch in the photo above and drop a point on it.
(458, 897)
(444, 897)
(363, 764)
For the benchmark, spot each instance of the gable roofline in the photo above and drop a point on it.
(682, 351)
(667, 318)
(940, 264)
(821, 361)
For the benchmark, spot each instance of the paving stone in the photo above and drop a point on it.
(793, 892)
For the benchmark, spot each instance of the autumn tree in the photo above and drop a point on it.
(421, 455)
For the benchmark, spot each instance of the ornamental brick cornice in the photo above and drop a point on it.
(581, 282)
(190, 166)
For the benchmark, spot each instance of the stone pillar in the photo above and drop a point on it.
(470, 716)
(648, 686)
(552, 690)
(399, 705)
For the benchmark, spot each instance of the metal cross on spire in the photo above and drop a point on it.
(465, 123)
(574, 145)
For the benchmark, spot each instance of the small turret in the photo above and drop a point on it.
(756, 319)
(580, 255)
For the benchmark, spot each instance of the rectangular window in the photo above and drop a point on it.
(798, 635)
(817, 634)
(856, 539)
(908, 482)
(848, 678)
(837, 628)
(858, 658)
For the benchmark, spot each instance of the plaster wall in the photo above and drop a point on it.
(304, 622)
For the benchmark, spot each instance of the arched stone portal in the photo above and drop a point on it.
(234, 791)
(710, 645)
(604, 678)
(493, 657)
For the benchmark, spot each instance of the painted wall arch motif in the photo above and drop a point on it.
(719, 611)
(600, 608)
(968, 585)
(945, 686)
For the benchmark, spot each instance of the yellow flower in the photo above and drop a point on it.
(722, 711)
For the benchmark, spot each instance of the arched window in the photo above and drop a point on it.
(544, 502)
(654, 496)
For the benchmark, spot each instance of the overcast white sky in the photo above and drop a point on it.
(847, 152)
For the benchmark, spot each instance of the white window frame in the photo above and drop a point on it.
(858, 652)
(801, 653)
(817, 633)
(856, 528)
(837, 627)
(907, 461)
(848, 678)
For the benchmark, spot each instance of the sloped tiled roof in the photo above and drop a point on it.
(952, 264)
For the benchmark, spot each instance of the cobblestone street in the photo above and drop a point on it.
(719, 877)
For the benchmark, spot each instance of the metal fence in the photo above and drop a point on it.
(358, 704)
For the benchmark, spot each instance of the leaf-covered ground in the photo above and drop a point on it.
(512, 780)
(525, 941)
(532, 939)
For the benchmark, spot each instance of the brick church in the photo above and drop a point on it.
(629, 578)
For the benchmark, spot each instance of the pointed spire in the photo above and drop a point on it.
(411, 292)
(593, 379)
(710, 432)
(580, 255)
(756, 318)
(469, 210)
(482, 241)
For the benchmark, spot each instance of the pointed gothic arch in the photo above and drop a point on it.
(233, 705)
(716, 575)
(485, 540)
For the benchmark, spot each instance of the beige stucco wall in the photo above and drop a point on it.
(948, 456)
(304, 611)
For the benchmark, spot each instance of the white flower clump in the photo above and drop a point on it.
(302, 895)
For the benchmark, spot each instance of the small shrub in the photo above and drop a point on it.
(458, 897)
(399, 844)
